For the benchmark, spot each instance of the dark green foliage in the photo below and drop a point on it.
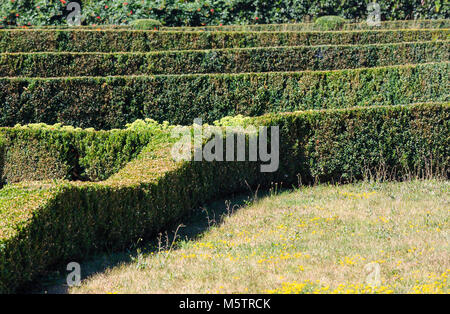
(329, 145)
(106, 103)
(213, 12)
(221, 61)
(330, 22)
(143, 41)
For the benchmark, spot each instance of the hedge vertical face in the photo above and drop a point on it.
(327, 145)
(234, 144)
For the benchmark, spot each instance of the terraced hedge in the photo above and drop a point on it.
(40, 152)
(17, 40)
(152, 191)
(222, 60)
(106, 103)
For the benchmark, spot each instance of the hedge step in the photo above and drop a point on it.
(238, 60)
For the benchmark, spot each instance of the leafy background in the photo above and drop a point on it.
(211, 12)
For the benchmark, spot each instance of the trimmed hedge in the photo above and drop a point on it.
(301, 27)
(42, 152)
(221, 61)
(146, 24)
(106, 103)
(144, 41)
(152, 191)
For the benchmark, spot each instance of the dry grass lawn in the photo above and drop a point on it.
(322, 239)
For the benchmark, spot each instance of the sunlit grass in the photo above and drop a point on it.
(313, 240)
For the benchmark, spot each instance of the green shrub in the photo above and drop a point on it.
(237, 60)
(181, 98)
(330, 22)
(66, 222)
(146, 24)
(14, 40)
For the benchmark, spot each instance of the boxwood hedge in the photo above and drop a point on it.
(238, 60)
(70, 221)
(106, 103)
(20, 40)
(2, 158)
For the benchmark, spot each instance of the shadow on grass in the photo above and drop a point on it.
(189, 228)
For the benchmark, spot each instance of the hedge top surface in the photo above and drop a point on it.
(101, 79)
